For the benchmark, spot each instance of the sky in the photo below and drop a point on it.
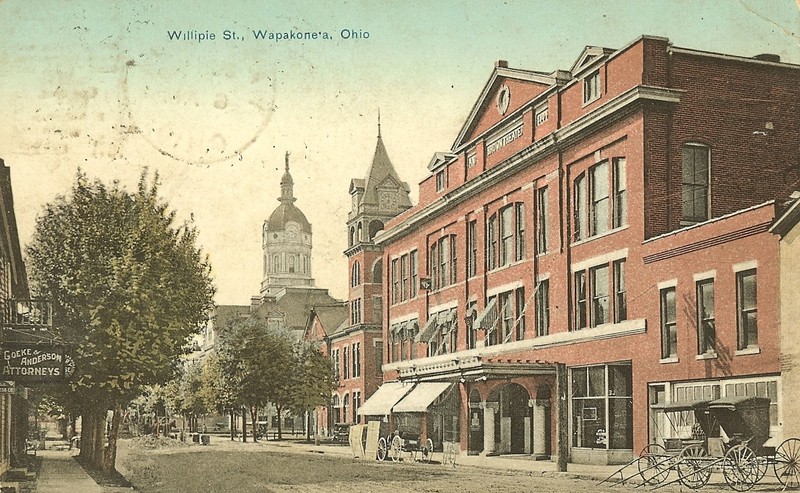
(103, 87)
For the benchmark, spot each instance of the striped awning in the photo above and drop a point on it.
(488, 316)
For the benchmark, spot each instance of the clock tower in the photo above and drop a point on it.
(376, 199)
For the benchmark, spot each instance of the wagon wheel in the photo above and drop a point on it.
(382, 449)
(692, 469)
(787, 463)
(741, 468)
(395, 449)
(427, 450)
(653, 464)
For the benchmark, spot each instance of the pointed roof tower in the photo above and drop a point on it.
(381, 174)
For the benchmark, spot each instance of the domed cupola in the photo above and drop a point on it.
(286, 242)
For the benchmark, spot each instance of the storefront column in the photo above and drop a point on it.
(539, 428)
(489, 410)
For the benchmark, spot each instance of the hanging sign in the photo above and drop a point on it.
(32, 362)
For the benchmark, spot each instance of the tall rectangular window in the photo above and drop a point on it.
(471, 326)
(620, 193)
(541, 220)
(335, 361)
(519, 313)
(506, 235)
(747, 309)
(591, 87)
(580, 301)
(542, 302)
(378, 358)
(414, 274)
(600, 296)
(440, 181)
(395, 281)
(706, 328)
(506, 317)
(404, 277)
(444, 261)
(433, 262)
(695, 183)
(472, 248)
(579, 208)
(620, 294)
(491, 242)
(346, 362)
(669, 328)
(453, 260)
(519, 231)
(599, 206)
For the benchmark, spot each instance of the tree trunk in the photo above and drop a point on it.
(244, 425)
(93, 438)
(233, 426)
(278, 411)
(254, 418)
(110, 462)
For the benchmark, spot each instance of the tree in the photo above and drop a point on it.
(313, 380)
(218, 391)
(128, 289)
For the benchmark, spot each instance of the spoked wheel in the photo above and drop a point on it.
(787, 463)
(653, 464)
(382, 449)
(693, 469)
(741, 468)
(395, 449)
(427, 451)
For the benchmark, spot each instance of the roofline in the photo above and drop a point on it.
(787, 220)
(710, 221)
(733, 58)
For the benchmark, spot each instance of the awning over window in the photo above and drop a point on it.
(420, 399)
(381, 402)
(429, 330)
(488, 316)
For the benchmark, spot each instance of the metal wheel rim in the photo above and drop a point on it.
(740, 468)
(395, 449)
(381, 449)
(787, 463)
(653, 464)
(690, 465)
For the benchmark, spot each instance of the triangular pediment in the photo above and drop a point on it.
(506, 91)
(587, 59)
(439, 159)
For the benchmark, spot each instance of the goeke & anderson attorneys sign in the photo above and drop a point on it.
(31, 362)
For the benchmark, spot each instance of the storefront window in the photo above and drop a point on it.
(602, 408)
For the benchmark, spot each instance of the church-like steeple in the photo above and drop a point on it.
(287, 185)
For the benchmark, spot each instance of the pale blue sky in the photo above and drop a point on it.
(100, 85)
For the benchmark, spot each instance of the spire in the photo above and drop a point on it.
(379, 123)
(287, 185)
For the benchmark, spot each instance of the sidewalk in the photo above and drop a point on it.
(60, 473)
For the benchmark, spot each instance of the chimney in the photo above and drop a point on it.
(501, 64)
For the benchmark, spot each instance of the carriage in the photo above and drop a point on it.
(725, 435)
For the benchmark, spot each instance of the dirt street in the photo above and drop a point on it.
(280, 467)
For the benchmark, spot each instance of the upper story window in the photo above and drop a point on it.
(355, 275)
(541, 220)
(404, 291)
(413, 262)
(404, 277)
(355, 311)
(540, 115)
(695, 183)
(669, 326)
(472, 248)
(442, 262)
(604, 207)
(591, 87)
(706, 324)
(542, 302)
(440, 181)
(747, 309)
(599, 294)
(509, 225)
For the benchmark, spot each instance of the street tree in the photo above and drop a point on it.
(128, 287)
(312, 381)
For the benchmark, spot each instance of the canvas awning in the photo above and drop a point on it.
(429, 330)
(488, 316)
(421, 397)
(380, 403)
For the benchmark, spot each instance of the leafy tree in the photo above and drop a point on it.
(312, 381)
(218, 392)
(128, 288)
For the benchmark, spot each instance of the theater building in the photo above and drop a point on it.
(596, 241)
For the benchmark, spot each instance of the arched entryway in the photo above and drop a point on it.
(512, 419)
(475, 438)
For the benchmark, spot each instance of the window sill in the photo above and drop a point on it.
(598, 236)
(665, 361)
(507, 266)
(590, 101)
(748, 350)
(706, 355)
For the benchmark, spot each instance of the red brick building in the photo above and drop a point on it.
(599, 234)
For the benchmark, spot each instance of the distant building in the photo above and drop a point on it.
(596, 245)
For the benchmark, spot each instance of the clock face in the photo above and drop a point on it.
(387, 200)
(503, 99)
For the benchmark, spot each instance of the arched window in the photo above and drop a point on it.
(374, 227)
(355, 275)
(377, 272)
(266, 264)
(351, 241)
(335, 404)
(276, 263)
(360, 232)
(291, 263)
(695, 183)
